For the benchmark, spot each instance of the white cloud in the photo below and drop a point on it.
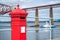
(16, 1)
(21, 0)
(24, 6)
(48, 3)
(9, 0)
(26, 0)
(53, 2)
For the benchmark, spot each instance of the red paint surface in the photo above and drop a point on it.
(17, 23)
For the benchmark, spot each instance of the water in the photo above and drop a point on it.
(41, 23)
(43, 34)
(30, 23)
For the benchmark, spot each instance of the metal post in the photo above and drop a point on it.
(37, 31)
(51, 34)
(36, 19)
(51, 22)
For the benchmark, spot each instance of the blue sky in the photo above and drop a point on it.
(32, 3)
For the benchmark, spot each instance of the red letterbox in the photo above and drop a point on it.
(18, 24)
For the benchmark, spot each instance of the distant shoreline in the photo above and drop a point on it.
(46, 21)
(27, 21)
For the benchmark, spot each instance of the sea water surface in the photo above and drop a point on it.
(43, 34)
